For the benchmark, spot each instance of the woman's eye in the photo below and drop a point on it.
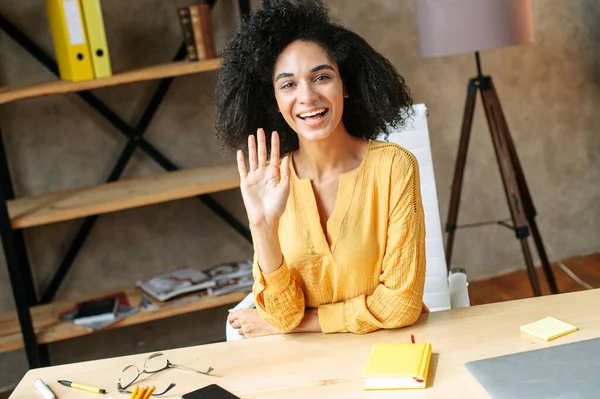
(322, 77)
(287, 85)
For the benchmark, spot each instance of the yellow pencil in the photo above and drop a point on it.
(149, 392)
(141, 392)
(134, 393)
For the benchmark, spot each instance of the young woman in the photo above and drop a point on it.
(337, 222)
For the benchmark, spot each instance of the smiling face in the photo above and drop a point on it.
(309, 91)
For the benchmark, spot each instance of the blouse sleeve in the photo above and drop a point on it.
(279, 300)
(398, 299)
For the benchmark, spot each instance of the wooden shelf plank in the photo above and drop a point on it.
(120, 195)
(9, 94)
(48, 328)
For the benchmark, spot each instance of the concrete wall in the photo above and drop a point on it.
(549, 92)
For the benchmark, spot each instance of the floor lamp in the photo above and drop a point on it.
(468, 26)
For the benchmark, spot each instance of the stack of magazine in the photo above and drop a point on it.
(99, 312)
(220, 280)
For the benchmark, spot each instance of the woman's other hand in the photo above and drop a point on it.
(266, 187)
(249, 324)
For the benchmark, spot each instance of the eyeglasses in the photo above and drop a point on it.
(154, 363)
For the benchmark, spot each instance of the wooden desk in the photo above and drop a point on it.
(329, 366)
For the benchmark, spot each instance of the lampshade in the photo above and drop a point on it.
(448, 27)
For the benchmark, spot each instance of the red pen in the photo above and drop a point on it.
(412, 339)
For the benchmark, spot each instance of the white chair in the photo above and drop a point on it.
(443, 290)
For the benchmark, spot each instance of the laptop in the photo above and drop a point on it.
(569, 371)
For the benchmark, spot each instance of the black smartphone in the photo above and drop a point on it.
(212, 391)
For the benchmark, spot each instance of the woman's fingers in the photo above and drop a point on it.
(274, 149)
(234, 319)
(231, 316)
(252, 153)
(241, 164)
(245, 330)
(284, 170)
(257, 151)
(262, 148)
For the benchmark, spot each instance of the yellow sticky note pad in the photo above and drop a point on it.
(548, 328)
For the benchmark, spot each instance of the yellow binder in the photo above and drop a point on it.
(70, 42)
(94, 25)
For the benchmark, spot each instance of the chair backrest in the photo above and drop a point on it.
(415, 138)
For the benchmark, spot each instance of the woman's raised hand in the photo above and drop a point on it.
(266, 187)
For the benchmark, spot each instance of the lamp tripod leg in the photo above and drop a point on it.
(530, 211)
(499, 132)
(459, 168)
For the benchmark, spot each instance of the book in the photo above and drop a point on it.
(176, 282)
(123, 311)
(99, 312)
(219, 280)
(548, 328)
(96, 311)
(197, 29)
(207, 31)
(231, 277)
(397, 366)
(188, 33)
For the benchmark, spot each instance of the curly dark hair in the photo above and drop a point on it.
(245, 97)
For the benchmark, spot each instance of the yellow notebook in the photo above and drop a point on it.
(548, 328)
(397, 366)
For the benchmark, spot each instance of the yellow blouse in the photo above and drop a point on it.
(369, 272)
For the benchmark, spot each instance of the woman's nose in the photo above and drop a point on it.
(307, 94)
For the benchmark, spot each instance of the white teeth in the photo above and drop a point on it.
(317, 112)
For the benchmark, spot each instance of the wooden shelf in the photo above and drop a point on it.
(9, 94)
(48, 328)
(120, 195)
